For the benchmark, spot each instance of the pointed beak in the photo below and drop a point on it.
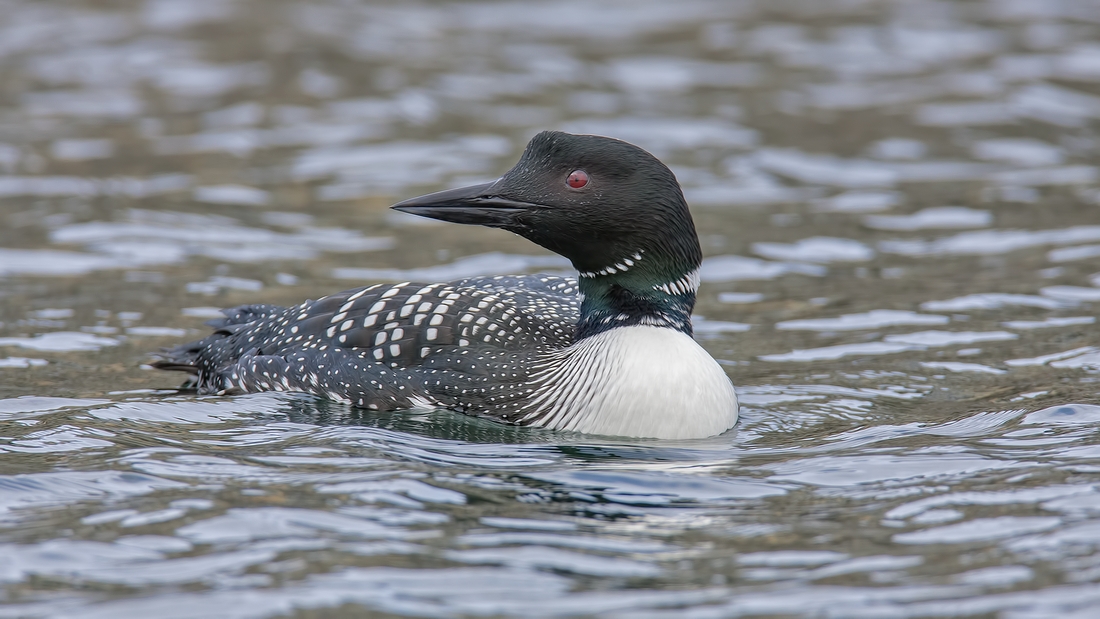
(467, 205)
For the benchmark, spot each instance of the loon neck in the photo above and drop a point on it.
(623, 299)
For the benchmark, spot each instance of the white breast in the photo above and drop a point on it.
(638, 381)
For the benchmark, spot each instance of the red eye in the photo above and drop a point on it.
(577, 179)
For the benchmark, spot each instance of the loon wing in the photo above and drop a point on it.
(374, 346)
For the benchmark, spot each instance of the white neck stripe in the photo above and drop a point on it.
(684, 285)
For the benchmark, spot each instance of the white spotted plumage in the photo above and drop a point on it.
(615, 382)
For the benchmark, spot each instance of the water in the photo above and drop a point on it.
(898, 206)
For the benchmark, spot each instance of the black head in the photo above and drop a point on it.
(610, 207)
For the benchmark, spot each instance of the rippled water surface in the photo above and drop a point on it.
(899, 203)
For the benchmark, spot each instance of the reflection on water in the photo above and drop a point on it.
(897, 205)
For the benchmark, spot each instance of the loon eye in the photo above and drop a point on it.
(577, 179)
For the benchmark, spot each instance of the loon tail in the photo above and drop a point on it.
(186, 357)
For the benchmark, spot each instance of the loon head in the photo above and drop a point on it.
(611, 208)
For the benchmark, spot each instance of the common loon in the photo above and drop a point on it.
(610, 352)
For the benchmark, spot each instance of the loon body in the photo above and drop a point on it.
(610, 352)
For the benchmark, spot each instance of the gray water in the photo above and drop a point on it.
(898, 203)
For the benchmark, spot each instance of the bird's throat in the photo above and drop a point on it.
(611, 302)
